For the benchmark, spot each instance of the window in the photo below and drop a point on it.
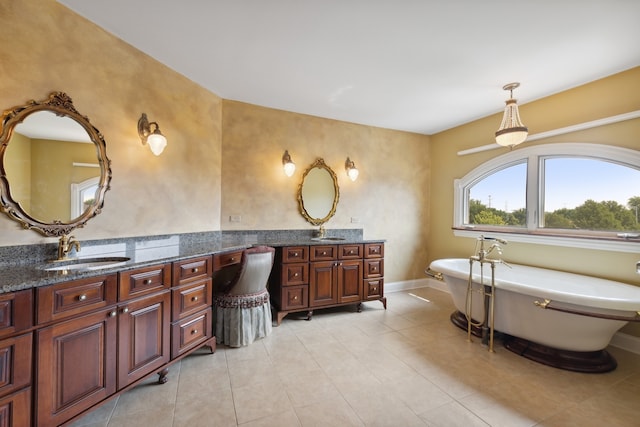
(585, 195)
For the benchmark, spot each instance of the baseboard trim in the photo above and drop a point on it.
(626, 342)
(620, 340)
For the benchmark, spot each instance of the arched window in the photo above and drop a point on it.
(569, 194)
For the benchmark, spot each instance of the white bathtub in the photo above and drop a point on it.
(517, 289)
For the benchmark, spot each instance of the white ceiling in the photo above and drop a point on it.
(416, 65)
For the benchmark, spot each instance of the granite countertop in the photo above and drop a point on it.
(143, 253)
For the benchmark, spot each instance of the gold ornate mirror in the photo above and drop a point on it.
(318, 193)
(54, 170)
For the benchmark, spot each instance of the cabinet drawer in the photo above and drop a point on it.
(192, 269)
(373, 288)
(295, 254)
(374, 250)
(223, 260)
(190, 298)
(15, 363)
(295, 274)
(373, 268)
(15, 410)
(16, 312)
(143, 281)
(350, 251)
(295, 297)
(324, 253)
(190, 332)
(72, 298)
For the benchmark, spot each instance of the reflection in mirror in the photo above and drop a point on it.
(54, 171)
(318, 193)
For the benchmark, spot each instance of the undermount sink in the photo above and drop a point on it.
(322, 239)
(87, 264)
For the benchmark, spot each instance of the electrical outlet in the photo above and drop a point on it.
(235, 218)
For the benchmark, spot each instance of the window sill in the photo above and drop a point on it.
(564, 241)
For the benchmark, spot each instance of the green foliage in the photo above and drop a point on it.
(591, 215)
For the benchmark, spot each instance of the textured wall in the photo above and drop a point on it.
(390, 197)
(45, 48)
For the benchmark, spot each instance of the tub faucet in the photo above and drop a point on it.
(483, 253)
(65, 244)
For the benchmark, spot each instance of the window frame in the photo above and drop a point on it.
(534, 157)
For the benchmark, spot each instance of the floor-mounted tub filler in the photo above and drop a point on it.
(560, 319)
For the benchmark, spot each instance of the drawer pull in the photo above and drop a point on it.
(82, 297)
(125, 310)
(195, 270)
(194, 299)
(195, 331)
(146, 282)
(113, 314)
(295, 275)
(232, 259)
(324, 252)
(351, 252)
(295, 254)
(295, 297)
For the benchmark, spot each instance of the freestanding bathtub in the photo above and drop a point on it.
(561, 319)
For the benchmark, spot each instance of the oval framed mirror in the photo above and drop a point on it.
(318, 193)
(54, 169)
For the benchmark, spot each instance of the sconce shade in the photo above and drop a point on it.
(287, 164)
(156, 140)
(511, 132)
(351, 169)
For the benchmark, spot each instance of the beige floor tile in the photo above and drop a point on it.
(284, 419)
(334, 412)
(260, 400)
(452, 414)
(407, 365)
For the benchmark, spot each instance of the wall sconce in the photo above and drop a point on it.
(155, 139)
(287, 164)
(351, 169)
(512, 132)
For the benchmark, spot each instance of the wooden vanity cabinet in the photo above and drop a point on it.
(192, 297)
(76, 347)
(16, 350)
(92, 343)
(330, 275)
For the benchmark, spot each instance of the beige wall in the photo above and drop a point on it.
(211, 168)
(45, 48)
(604, 98)
(390, 197)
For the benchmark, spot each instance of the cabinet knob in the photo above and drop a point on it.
(295, 275)
(351, 252)
(324, 252)
(295, 297)
(233, 259)
(195, 331)
(82, 297)
(295, 254)
(146, 282)
(194, 299)
(195, 270)
(113, 314)
(125, 310)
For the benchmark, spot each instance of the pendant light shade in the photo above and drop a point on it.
(512, 132)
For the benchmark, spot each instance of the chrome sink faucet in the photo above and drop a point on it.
(65, 244)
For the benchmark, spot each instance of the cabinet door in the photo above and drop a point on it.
(349, 281)
(323, 286)
(76, 364)
(143, 336)
(15, 409)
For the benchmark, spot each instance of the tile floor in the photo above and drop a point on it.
(406, 366)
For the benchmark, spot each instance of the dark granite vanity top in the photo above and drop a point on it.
(29, 271)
